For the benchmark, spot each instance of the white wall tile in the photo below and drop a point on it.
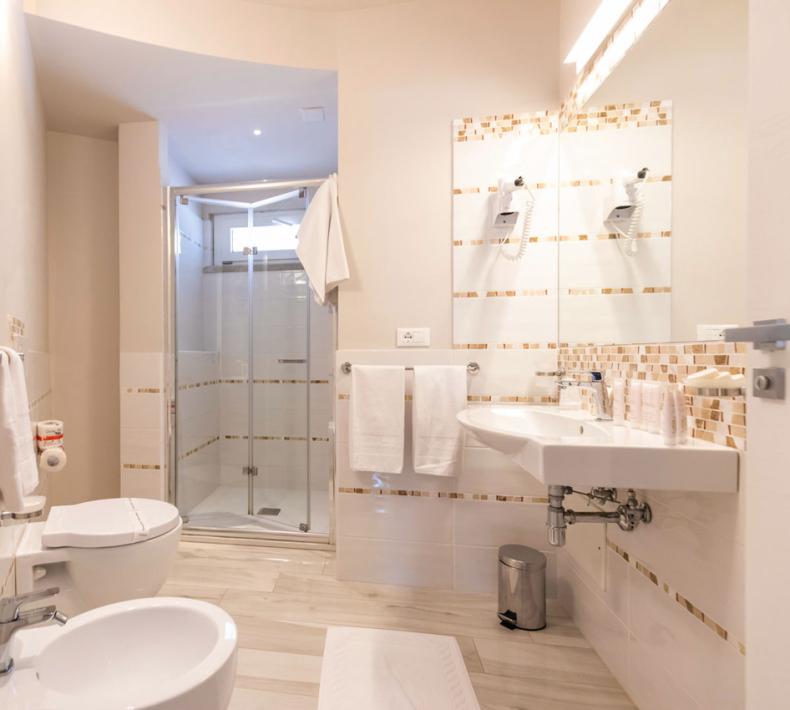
(415, 564)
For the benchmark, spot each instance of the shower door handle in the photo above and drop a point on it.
(290, 361)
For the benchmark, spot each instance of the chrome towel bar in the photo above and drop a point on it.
(471, 367)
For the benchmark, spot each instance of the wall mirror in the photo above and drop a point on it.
(652, 186)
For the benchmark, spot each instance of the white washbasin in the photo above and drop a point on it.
(568, 447)
(159, 653)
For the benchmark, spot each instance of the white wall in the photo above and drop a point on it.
(234, 29)
(82, 234)
(405, 72)
(142, 170)
(768, 486)
(23, 264)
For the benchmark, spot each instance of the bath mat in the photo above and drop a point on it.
(393, 670)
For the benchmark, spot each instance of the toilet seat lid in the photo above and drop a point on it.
(108, 523)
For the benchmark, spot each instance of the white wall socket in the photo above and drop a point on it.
(414, 337)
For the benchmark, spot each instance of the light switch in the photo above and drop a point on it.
(414, 337)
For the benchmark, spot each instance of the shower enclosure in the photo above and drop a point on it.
(252, 365)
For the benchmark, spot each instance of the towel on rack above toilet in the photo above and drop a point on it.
(439, 395)
(18, 465)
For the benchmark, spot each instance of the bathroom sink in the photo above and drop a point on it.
(568, 447)
(158, 653)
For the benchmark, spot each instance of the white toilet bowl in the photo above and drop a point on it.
(99, 552)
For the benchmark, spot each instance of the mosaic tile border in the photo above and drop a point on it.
(505, 346)
(143, 390)
(241, 381)
(621, 116)
(549, 239)
(39, 400)
(719, 420)
(672, 593)
(204, 445)
(267, 437)
(540, 292)
(499, 126)
(142, 466)
(452, 495)
(197, 385)
(490, 398)
(594, 182)
(16, 330)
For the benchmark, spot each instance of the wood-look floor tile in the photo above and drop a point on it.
(249, 699)
(377, 614)
(558, 663)
(282, 601)
(193, 591)
(284, 637)
(273, 665)
(503, 693)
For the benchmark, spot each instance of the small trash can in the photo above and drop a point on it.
(522, 588)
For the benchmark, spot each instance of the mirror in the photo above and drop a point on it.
(652, 197)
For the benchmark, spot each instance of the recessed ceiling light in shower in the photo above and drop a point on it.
(256, 131)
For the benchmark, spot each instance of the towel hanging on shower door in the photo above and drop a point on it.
(321, 249)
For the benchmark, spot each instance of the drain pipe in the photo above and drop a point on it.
(627, 516)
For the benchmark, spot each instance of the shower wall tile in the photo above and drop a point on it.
(142, 394)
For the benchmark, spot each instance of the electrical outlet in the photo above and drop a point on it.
(414, 337)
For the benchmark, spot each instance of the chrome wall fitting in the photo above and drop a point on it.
(627, 517)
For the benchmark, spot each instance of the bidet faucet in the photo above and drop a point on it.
(595, 381)
(12, 620)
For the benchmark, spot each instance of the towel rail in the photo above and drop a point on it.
(471, 367)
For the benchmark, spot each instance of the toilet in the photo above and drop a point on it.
(99, 552)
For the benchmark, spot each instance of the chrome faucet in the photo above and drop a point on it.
(12, 620)
(595, 381)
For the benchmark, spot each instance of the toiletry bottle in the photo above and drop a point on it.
(669, 420)
(635, 404)
(618, 402)
(653, 398)
(680, 415)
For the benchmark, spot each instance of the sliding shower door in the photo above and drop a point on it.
(253, 371)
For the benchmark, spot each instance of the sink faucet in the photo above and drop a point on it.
(12, 620)
(594, 381)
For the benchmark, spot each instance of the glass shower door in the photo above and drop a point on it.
(280, 394)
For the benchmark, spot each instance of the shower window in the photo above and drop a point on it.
(272, 232)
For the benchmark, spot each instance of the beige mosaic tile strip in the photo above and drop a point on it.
(720, 420)
(492, 399)
(189, 239)
(531, 293)
(143, 390)
(453, 495)
(197, 385)
(535, 239)
(204, 445)
(611, 181)
(142, 466)
(505, 346)
(268, 437)
(494, 127)
(668, 589)
(239, 381)
(39, 400)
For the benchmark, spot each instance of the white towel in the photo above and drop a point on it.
(320, 247)
(439, 394)
(378, 413)
(18, 466)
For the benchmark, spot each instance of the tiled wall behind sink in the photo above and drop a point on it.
(669, 618)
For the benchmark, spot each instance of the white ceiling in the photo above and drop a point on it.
(329, 5)
(90, 82)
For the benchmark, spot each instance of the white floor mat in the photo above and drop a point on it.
(393, 670)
